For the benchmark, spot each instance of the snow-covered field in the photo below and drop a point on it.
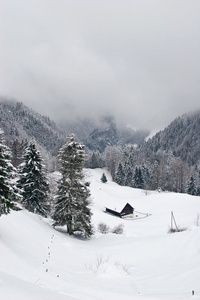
(145, 262)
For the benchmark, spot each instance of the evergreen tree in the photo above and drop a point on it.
(120, 176)
(71, 208)
(103, 178)
(8, 190)
(191, 186)
(138, 181)
(33, 181)
(128, 175)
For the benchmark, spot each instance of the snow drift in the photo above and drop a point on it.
(145, 262)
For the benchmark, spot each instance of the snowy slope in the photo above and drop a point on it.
(145, 262)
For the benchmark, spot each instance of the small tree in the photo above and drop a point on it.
(103, 228)
(8, 191)
(104, 178)
(72, 204)
(119, 229)
(33, 182)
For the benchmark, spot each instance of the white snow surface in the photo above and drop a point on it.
(38, 262)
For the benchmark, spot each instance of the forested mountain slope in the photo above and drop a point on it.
(181, 137)
(22, 123)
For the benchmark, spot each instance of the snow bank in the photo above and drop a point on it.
(145, 262)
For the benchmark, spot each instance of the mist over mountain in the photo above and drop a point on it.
(181, 137)
(20, 122)
(105, 131)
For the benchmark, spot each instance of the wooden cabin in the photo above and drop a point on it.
(127, 210)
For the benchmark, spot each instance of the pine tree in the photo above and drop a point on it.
(128, 175)
(120, 176)
(33, 181)
(191, 186)
(72, 204)
(8, 190)
(146, 176)
(103, 178)
(138, 181)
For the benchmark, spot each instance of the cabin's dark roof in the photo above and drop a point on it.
(112, 212)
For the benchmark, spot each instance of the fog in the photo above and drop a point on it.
(137, 60)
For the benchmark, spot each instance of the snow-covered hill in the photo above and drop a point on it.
(145, 262)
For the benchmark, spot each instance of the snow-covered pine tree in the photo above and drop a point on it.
(128, 174)
(120, 176)
(138, 181)
(72, 204)
(32, 181)
(146, 175)
(8, 190)
(191, 189)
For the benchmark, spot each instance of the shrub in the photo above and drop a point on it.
(119, 229)
(103, 178)
(103, 228)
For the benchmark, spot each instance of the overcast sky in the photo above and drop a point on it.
(136, 59)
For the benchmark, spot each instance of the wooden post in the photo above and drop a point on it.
(173, 221)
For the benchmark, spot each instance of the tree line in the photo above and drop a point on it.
(141, 167)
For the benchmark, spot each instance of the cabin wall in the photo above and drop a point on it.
(126, 211)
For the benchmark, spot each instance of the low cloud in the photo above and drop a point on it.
(137, 60)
